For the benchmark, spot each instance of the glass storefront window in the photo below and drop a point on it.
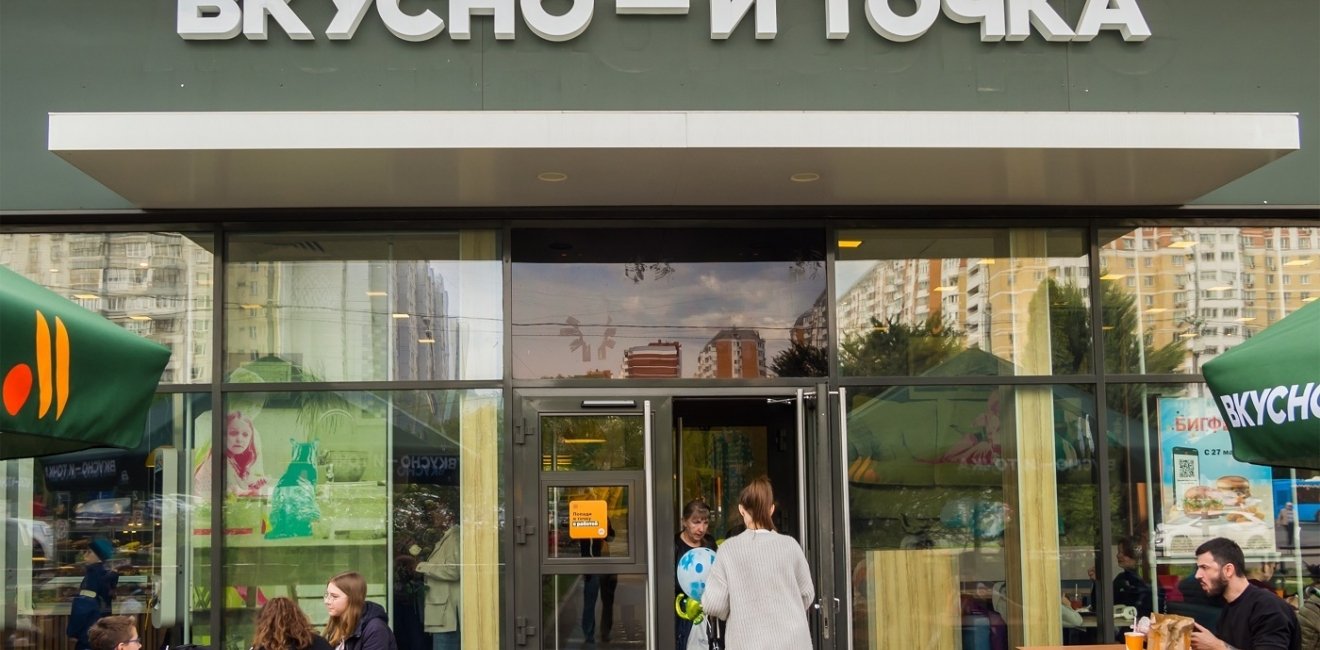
(154, 284)
(1175, 485)
(911, 302)
(944, 488)
(305, 307)
(1198, 291)
(591, 442)
(107, 521)
(322, 475)
(666, 303)
(573, 521)
(613, 606)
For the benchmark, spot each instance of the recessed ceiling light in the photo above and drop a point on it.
(426, 340)
(54, 270)
(143, 264)
(400, 315)
(376, 294)
(804, 177)
(1182, 244)
(849, 243)
(552, 177)
(138, 317)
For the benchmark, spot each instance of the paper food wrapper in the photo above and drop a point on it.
(1170, 632)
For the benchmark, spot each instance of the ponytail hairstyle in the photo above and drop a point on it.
(337, 629)
(758, 499)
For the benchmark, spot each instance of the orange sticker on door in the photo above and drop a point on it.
(586, 519)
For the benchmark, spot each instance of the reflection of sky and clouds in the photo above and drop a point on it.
(690, 305)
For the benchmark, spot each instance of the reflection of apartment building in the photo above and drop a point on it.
(1208, 287)
(812, 326)
(149, 283)
(345, 316)
(733, 354)
(1213, 287)
(659, 360)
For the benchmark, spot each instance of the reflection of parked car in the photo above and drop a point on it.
(183, 504)
(103, 511)
(1182, 535)
(33, 534)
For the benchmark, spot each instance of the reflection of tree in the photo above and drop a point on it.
(1126, 350)
(894, 348)
(801, 360)
(636, 271)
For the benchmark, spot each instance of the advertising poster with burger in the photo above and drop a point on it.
(1205, 492)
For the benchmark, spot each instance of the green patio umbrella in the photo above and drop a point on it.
(1268, 391)
(71, 379)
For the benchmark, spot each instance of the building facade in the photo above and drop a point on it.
(535, 276)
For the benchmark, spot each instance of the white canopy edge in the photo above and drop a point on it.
(494, 158)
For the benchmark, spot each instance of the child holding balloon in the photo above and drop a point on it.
(692, 534)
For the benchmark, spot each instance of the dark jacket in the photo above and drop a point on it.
(373, 631)
(95, 595)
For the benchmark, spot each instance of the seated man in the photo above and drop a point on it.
(1254, 618)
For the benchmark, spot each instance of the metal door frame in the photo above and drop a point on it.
(820, 481)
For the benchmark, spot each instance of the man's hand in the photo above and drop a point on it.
(1203, 639)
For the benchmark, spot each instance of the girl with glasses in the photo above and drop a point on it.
(355, 623)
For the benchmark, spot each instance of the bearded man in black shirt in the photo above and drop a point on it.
(1254, 618)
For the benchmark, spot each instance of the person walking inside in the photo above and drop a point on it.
(282, 626)
(692, 534)
(95, 594)
(1254, 618)
(355, 623)
(760, 584)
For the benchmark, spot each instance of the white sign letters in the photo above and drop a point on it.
(1013, 20)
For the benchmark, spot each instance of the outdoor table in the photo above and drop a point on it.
(1109, 646)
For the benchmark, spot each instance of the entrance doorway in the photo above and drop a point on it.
(599, 481)
(724, 443)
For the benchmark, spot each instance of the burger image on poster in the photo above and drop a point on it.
(1234, 490)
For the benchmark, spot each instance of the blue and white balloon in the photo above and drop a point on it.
(693, 569)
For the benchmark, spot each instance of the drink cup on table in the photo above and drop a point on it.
(1134, 640)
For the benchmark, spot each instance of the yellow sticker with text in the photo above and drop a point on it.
(586, 519)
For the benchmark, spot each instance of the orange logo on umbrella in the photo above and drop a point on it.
(52, 372)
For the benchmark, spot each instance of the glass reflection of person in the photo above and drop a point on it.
(443, 570)
(1129, 587)
(245, 474)
(594, 585)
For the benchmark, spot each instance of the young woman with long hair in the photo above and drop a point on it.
(282, 626)
(760, 583)
(355, 623)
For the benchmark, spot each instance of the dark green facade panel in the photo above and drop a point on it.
(1204, 55)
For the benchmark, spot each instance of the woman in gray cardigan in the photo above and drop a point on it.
(760, 583)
